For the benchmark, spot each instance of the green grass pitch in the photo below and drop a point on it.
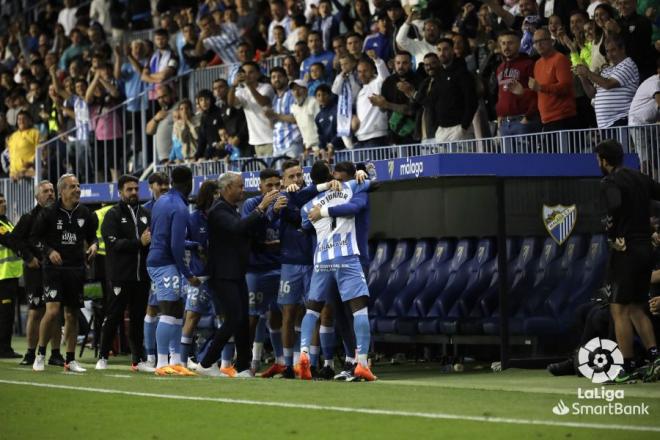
(409, 401)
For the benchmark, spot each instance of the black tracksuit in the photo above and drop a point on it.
(34, 285)
(56, 229)
(122, 228)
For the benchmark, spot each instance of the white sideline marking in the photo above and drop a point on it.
(383, 412)
(123, 376)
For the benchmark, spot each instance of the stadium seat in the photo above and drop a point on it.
(585, 278)
(521, 282)
(379, 269)
(401, 275)
(479, 275)
(441, 280)
(396, 319)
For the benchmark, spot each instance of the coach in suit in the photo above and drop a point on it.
(229, 249)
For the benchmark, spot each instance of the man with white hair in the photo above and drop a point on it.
(229, 250)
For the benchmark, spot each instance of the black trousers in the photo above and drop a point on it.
(231, 296)
(8, 298)
(133, 294)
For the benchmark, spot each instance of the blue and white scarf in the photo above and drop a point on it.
(345, 108)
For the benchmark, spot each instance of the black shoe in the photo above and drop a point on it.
(326, 373)
(347, 373)
(315, 372)
(565, 368)
(10, 354)
(56, 359)
(288, 373)
(28, 359)
(625, 376)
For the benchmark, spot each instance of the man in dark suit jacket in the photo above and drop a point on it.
(229, 250)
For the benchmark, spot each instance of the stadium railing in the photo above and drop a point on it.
(19, 195)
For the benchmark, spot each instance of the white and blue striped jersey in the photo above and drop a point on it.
(284, 133)
(224, 43)
(335, 236)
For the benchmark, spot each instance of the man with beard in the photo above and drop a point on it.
(627, 194)
(34, 284)
(125, 231)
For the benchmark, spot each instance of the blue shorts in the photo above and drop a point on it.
(198, 299)
(344, 273)
(294, 284)
(168, 283)
(262, 288)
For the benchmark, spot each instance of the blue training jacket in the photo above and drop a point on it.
(197, 242)
(169, 218)
(263, 257)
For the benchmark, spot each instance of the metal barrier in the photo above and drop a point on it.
(19, 196)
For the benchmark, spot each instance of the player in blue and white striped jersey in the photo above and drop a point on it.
(336, 265)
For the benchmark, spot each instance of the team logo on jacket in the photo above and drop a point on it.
(59, 225)
(559, 221)
(143, 220)
(117, 290)
(81, 222)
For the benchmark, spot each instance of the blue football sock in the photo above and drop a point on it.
(186, 348)
(328, 342)
(362, 334)
(165, 331)
(150, 324)
(307, 329)
(227, 355)
(276, 342)
(314, 355)
(288, 357)
(297, 341)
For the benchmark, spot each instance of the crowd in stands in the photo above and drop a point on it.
(311, 77)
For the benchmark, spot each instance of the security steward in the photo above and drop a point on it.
(33, 277)
(11, 269)
(125, 231)
(66, 233)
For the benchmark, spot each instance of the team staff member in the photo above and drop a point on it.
(62, 231)
(34, 284)
(11, 270)
(126, 234)
(229, 251)
(627, 194)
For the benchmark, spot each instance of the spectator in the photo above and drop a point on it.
(22, 146)
(369, 123)
(380, 41)
(103, 97)
(645, 109)
(190, 60)
(553, 83)
(252, 97)
(346, 87)
(245, 54)
(636, 31)
(326, 121)
(67, 16)
(614, 88)
(98, 44)
(556, 28)
(79, 147)
(247, 17)
(327, 23)
(316, 78)
(299, 32)
(355, 44)
(527, 22)
(591, 9)
(401, 120)
(221, 39)
(517, 111)
(397, 17)
(162, 65)
(290, 65)
(419, 47)
(99, 11)
(278, 18)
(278, 49)
(233, 119)
(287, 140)
(39, 105)
(300, 52)
(304, 110)
(210, 123)
(75, 50)
(560, 8)
(317, 55)
(161, 125)
(339, 49)
(605, 25)
(184, 133)
(361, 18)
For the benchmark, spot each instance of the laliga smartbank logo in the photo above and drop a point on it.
(600, 360)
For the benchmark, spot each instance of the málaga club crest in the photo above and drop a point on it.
(559, 221)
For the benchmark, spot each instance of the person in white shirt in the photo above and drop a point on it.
(99, 10)
(67, 16)
(419, 48)
(644, 110)
(370, 121)
(280, 18)
(304, 111)
(254, 97)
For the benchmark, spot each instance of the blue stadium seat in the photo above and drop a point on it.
(401, 276)
(397, 319)
(521, 282)
(453, 278)
(379, 269)
(585, 277)
(479, 275)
